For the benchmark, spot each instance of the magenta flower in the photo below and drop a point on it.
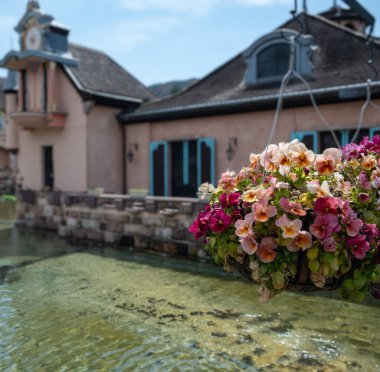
(363, 198)
(363, 181)
(327, 205)
(329, 244)
(324, 226)
(359, 246)
(351, 151)
(229, 200)
(370, 230)
(293, 208)
(352, 223)
(219, 221)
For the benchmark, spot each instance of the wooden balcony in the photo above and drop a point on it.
(38, 120)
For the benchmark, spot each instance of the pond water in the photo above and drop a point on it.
(122, 311)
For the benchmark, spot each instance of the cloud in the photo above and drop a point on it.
(127, 35)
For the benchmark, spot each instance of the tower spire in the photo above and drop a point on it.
(33, 4)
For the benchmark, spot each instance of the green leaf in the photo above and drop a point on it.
(312, 253)
(212, 241)
(313, 266)
(348, 285)
(278, 280)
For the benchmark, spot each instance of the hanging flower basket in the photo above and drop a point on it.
(294, 219)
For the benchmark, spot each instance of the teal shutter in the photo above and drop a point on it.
(373, 132)
(206, 160)
(159, 168)
(185, 147)
(344, 137)
(310, 139)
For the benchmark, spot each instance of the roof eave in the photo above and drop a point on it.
(252, 104)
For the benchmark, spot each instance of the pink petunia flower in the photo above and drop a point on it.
(363, 198)
(290, 228)
(262, 211)
(249, 244)
(302, 241)
(324, 226)
(244, 227)
(266, 250)
(359, 246)
(324, 165)
(293, 208)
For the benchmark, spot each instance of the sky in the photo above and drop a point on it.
(164, 40)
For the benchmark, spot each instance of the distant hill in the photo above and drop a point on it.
(171, 87)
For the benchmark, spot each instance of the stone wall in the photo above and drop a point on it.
(152, 223)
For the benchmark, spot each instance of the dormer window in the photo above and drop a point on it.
(268, 58)
(273, 61)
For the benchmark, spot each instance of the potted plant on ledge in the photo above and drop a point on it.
(295, 219)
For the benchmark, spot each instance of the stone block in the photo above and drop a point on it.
(179, 234)
(116, 217)
(150, 219)
(79, 234)
(142, 242)
(57, 219)
(62, 231)
(163, 234)
(74, 213)
(97, 236)
(110, 237)
(71, 222)
(84, 214)
(115, 226)
(54, 198)
(48, 211)
(150, 205)
(138, 230)
(186, 208)
(136, 220)
(173, 223)
(42, 201)
(90, 224)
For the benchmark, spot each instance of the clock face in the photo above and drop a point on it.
(33, 38)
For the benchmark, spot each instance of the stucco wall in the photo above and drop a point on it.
(251, 130)
(69, 144)
(104, 150)
(12, 132)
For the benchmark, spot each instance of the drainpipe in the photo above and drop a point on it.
(124, 157)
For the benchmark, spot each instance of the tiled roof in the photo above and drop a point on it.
(2, 97)
(98, 74)
(341, 59)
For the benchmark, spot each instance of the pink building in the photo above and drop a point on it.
(78, 121)
(61, 102)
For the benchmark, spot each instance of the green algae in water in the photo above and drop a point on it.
(88, 312)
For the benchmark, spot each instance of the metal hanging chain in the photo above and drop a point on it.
(368, 101)
(285, 80)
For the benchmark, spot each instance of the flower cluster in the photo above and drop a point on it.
(295, 218)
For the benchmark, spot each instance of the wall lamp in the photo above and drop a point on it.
(231, 148)
(132, 148)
